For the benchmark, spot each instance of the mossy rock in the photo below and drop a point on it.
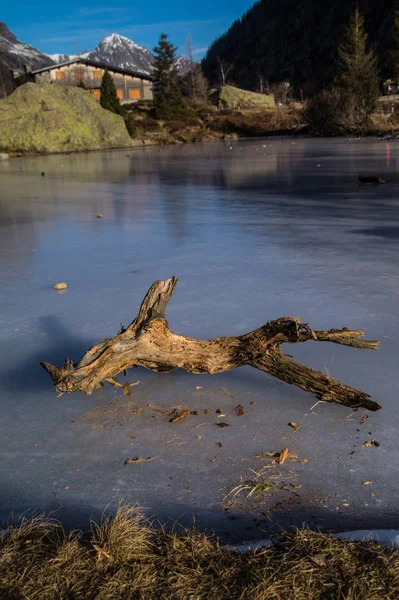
(234, 98)
(51, 118)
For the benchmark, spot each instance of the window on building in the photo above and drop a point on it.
(96, 94)
(78, 75)
(119, 93)
(98, 75)
(134, 94)
(60, 75)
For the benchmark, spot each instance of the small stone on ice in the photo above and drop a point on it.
(60, 286)
(100, 216)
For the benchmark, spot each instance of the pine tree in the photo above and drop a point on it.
(394, 55)
(358, 67)
(108, 98)
(168, 102)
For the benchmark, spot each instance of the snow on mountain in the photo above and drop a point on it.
(184, 65)
(118, 51)
(16, 55)
(61, 58)
(114, 50)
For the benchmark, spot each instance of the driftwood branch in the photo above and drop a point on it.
(148, 342)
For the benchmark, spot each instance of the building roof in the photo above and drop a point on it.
(93, 63)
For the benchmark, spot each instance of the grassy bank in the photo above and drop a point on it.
(126, 558)
(208, 123)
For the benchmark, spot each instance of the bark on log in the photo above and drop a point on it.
(148, 342)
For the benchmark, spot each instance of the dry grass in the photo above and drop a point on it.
(125, 558)
(207, 123)
(254, 123)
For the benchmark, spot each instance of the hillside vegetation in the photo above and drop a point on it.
(296, 41)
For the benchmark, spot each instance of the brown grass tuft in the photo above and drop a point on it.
(125, 558)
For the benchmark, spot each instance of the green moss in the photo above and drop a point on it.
(49, 118)
(235, 98)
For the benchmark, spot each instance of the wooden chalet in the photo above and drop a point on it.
(131, 86)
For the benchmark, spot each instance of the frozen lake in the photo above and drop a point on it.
(255, 230)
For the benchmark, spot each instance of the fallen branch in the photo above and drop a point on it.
(148, 342)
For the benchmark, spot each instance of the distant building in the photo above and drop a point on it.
(131, 86)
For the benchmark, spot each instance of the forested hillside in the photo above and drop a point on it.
(296, 41)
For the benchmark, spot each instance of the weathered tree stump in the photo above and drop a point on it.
(148, 342)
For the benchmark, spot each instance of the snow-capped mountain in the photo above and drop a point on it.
(114, 50)
(61, 58)
(184, 65)
(118, 51)
(16, 55)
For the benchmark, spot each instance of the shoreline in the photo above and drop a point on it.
(226, 139)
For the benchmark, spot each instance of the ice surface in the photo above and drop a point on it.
(254, 233)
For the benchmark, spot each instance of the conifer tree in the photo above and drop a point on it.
(358, 67)
(168, 101)
(108, 98)
(395, 52)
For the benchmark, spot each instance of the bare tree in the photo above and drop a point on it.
(194, 82)
(201, 85)
(189, 56)
(225, 69)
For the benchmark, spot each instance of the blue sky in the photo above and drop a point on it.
(71, 27)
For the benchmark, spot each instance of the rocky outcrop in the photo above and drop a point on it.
(234, 98)
(47, 118)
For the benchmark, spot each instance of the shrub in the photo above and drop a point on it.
(332, 113)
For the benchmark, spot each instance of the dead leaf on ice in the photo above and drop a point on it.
(137, 459)
(283, 456)
(181, 415)
(268, 454)
(370, 443)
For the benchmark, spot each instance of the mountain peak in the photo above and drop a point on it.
(118, 51)
(115, 36)
(116, 40)
(7, 34)
(16, 55)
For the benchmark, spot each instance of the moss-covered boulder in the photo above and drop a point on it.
(51, 118)
(235, 98)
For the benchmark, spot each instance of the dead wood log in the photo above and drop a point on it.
(148, 342)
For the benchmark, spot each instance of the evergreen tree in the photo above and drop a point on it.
(168, 102)
(358, 67)
(108, 98)
(395, 52)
